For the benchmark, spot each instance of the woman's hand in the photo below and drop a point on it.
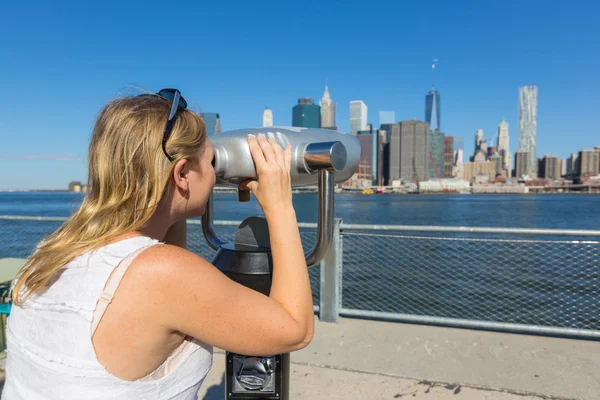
(273, 189)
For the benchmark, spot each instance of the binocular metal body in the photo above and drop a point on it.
(233, 161)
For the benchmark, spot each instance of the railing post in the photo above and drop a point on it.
(330, 288)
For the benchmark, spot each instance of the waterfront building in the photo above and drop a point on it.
(306, 114)
(588, 162)
(414, 150)
(267, 117)
(436, 154)
(448, 156)
(358, 116)
(523, 164)
(550, 167)
(572, 165)
(391, 167)
(528, 125)
(480, 167)
(328, 111)
(503, 144)
(212, 122)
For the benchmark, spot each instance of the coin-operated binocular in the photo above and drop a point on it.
(319, 157)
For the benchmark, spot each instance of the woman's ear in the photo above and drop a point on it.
(181, 173)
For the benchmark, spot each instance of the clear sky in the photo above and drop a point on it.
(61, 62)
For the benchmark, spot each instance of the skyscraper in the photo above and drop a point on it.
(358, 116)
(528, 124)
(432, 105)
(267, 117)
(306, 114)
(413, 148)
(212, 122)
(448, 156)
(479, 140)
(327, 110)
(503, 146)
(523, 164)
(435, 156)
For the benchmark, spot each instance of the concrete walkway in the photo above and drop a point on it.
(359, 359)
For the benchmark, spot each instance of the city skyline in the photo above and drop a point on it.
(64, 65)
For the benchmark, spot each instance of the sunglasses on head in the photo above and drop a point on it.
(177, 103)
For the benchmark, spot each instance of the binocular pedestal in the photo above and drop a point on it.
(248, 261)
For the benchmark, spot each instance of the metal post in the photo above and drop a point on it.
(330, 290)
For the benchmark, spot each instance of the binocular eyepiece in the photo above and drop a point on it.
(312, 150)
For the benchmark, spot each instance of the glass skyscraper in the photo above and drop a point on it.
(306, 114)
(358, 116)
(436, 154)
(432, 110)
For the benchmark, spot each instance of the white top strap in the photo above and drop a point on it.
(111, 286)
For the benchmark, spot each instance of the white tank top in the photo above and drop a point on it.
(49, 338)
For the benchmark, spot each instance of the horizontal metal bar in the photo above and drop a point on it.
(468, 229)
(370, 227)
(474, 324)
(305, 225)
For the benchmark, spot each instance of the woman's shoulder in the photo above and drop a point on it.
(162, 260)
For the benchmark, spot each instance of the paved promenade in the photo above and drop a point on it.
(359, 359)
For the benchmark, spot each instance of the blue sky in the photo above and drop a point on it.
(60, 63)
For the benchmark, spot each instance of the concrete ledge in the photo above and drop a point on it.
(381, 360)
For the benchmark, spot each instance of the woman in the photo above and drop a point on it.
(113, 306)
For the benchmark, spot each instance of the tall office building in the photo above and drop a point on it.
(267, 117)
(327, 110)
(212, 122)
(479, 140)
(306, 114)
(528, 124)
(432, 105)
(523, 165)
(448, 156)
(414, 150)
(503, 144)
(436, 154)
(387, 117)
(358, 116)
(391, 167)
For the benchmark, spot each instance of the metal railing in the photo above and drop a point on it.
(540, 281)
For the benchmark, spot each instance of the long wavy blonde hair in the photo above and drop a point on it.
(128, 174)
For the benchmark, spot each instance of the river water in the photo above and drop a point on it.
(551, 281)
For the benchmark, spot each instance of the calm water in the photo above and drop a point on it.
(542, 281)
(569, 211)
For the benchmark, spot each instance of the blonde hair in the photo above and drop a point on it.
(128, 174)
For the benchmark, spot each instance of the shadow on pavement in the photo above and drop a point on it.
(216, 392)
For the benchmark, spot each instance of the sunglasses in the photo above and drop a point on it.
(177, 103)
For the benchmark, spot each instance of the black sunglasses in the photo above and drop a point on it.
(177, 103)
